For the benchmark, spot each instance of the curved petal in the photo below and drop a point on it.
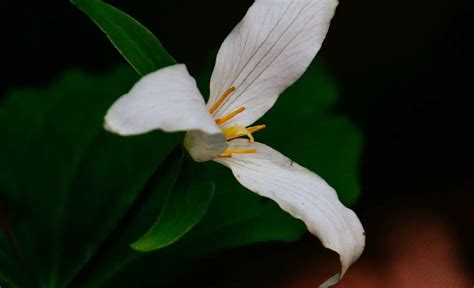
(167, 99)
(301, 193)
(266, 53)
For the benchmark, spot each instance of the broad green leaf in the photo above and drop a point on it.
(66, 182)
(185, 207)
(134, 41)
(116, 252)
(235, 218)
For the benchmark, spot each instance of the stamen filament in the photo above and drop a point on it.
(226, 118)
(228, 153)
(221, 100)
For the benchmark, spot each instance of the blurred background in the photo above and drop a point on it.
(404, 73)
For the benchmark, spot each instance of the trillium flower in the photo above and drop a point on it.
(266, 53)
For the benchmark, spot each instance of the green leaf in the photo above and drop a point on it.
(235, 218)
(65, 182)
(185, 207)
(117, 253)
(134, 41)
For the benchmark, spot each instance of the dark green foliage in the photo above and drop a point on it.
(134, 41)
(66, 182)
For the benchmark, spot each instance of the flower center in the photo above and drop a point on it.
(236, 130)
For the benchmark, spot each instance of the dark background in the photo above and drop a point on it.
(404, 68)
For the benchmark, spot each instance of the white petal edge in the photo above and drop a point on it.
(266, 53)
(167, 99)
(301, 193)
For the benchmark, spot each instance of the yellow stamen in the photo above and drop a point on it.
(257, 128)
(228, 153)
(221, 100)
(237, 131)
(226, 118)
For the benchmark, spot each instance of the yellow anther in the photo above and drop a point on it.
(228, 153)
(257, 128)
(226, 118)
(222, 99)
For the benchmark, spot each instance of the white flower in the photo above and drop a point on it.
(267, 52)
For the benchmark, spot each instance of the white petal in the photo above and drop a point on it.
(267, 52)
(301, 193)
(167, 99)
